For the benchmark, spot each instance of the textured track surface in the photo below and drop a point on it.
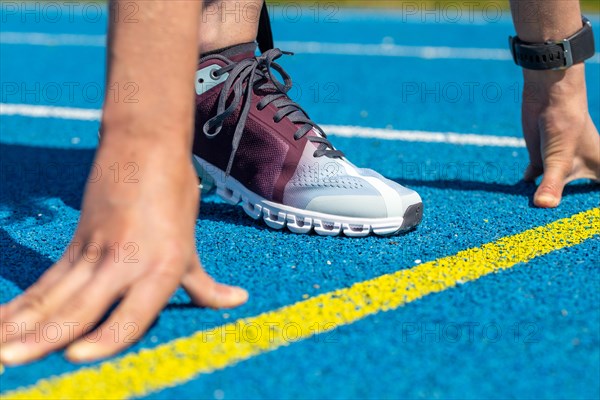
(531, 331)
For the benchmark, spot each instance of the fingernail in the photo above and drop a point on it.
(80, 352)
(239, 294)
(12, 354)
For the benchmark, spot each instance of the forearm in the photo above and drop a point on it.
(541, 20)
(156, 55)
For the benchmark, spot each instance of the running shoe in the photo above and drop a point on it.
(261, 150)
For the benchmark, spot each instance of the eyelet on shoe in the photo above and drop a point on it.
(213, 74)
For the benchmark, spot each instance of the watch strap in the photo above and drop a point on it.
(560, 54)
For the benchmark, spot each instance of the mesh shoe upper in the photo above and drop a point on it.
(248, 128)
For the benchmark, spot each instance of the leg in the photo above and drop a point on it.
(262, 150)
(228, 22)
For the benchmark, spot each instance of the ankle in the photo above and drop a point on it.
(214, 45)
(226, 23)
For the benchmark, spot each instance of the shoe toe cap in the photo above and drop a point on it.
(376, 198)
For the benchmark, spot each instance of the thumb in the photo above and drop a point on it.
(549, 193)
(206, 292)
(532, 173)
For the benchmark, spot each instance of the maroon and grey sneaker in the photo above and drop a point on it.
(262, 150)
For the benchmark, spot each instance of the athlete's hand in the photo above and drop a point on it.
(135, 243)
(562, 141)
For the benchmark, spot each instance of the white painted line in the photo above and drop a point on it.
(84, 114)
(51, 39)
(348, 49)
(27, 110)
(393, 50)
(424, 136)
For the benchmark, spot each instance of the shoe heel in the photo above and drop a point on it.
(207, 183)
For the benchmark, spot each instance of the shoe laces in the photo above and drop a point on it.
(256, 74)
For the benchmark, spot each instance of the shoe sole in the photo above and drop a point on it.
(296, 220)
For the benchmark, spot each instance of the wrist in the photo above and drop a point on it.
(555, 86)
(125, 127)
(554, 54)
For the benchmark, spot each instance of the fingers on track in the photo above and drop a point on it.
(132, 317)
(59, 324)
(206, 292)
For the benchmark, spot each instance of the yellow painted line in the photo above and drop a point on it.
(183, 359)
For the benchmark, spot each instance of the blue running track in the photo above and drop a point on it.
(535, 327)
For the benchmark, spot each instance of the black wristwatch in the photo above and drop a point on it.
(554, 54)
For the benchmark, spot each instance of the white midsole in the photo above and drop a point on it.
(278, 215)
